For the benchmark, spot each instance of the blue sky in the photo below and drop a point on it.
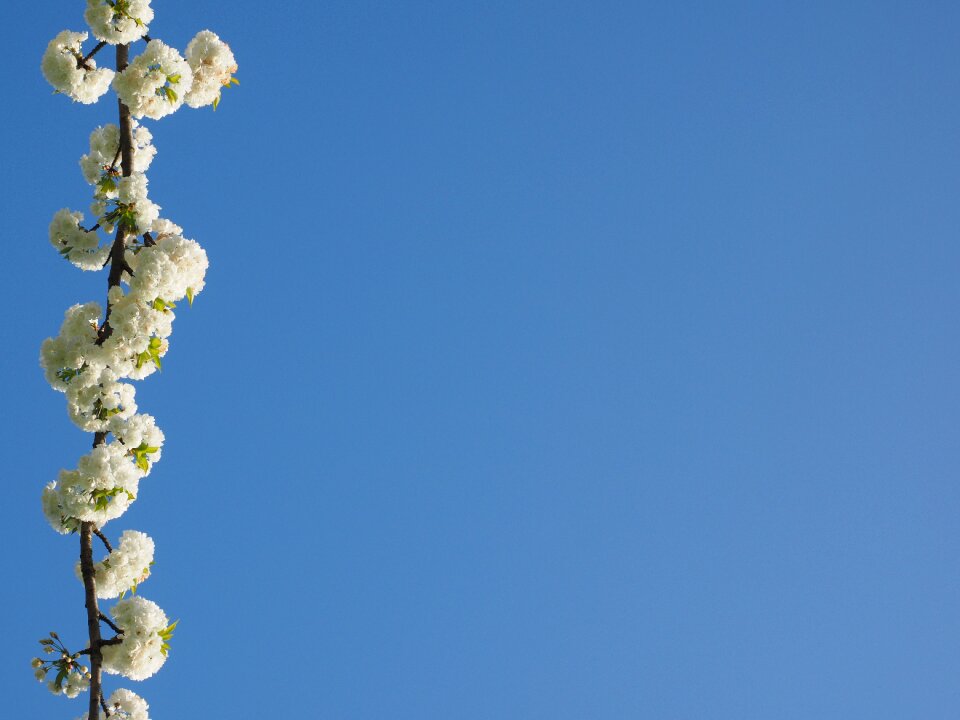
(557, 360)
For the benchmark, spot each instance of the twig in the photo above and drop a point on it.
(82, 63)
(103, 539)
(109, 622)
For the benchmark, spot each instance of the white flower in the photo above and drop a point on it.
(50, 501)
(63, 357)
(95, 396)
(133, 206)
(102, 487)
(119, 21)
(61, 67)
(155, 83)
(139, 338)
(79, 246)
(143, 650)
(124, 705)
(213, 66)
(136, 431)
(98, 166)
(126, 567)
(171, 269)
(76, 683)
(71, 685)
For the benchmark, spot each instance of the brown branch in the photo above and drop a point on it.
(82, 62)
(109, 622)
(103, 539)
(117, 265)
(93, 612)
(103, 704)
(103, 643)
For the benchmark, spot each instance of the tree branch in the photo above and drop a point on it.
(109, 622)
(93, 612)
(103, 539)
(117, 265)
(82, 62)
(103, 643)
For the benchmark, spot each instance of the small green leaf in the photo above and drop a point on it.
(190, 296)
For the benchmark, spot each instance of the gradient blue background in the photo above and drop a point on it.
(558, 360)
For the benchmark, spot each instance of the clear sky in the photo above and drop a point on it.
(558, 360)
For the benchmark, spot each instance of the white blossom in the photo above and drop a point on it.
(155, 83)
(95, 396)
(118, 21)
(81, 247)
(63, 357)
(125, 568)
(124, 705)
(139, 338)
(61, 66)
(143, 650)
(126, 204)
(101, 489)
(98, 166)
(136, 431)
(75, 681)
(213, 66)
(171, 269)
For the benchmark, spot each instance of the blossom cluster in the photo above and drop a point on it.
(70, 676)
(125, 568)
(144, 647)
(65, 68)
(100, 350)
(124, 705)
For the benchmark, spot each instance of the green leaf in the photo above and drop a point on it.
(190, 296)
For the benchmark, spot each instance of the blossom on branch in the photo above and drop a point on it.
(118, 21)
(155, 83)
(125, 568)
(145, 633)
(124, 705)
(64, 68)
